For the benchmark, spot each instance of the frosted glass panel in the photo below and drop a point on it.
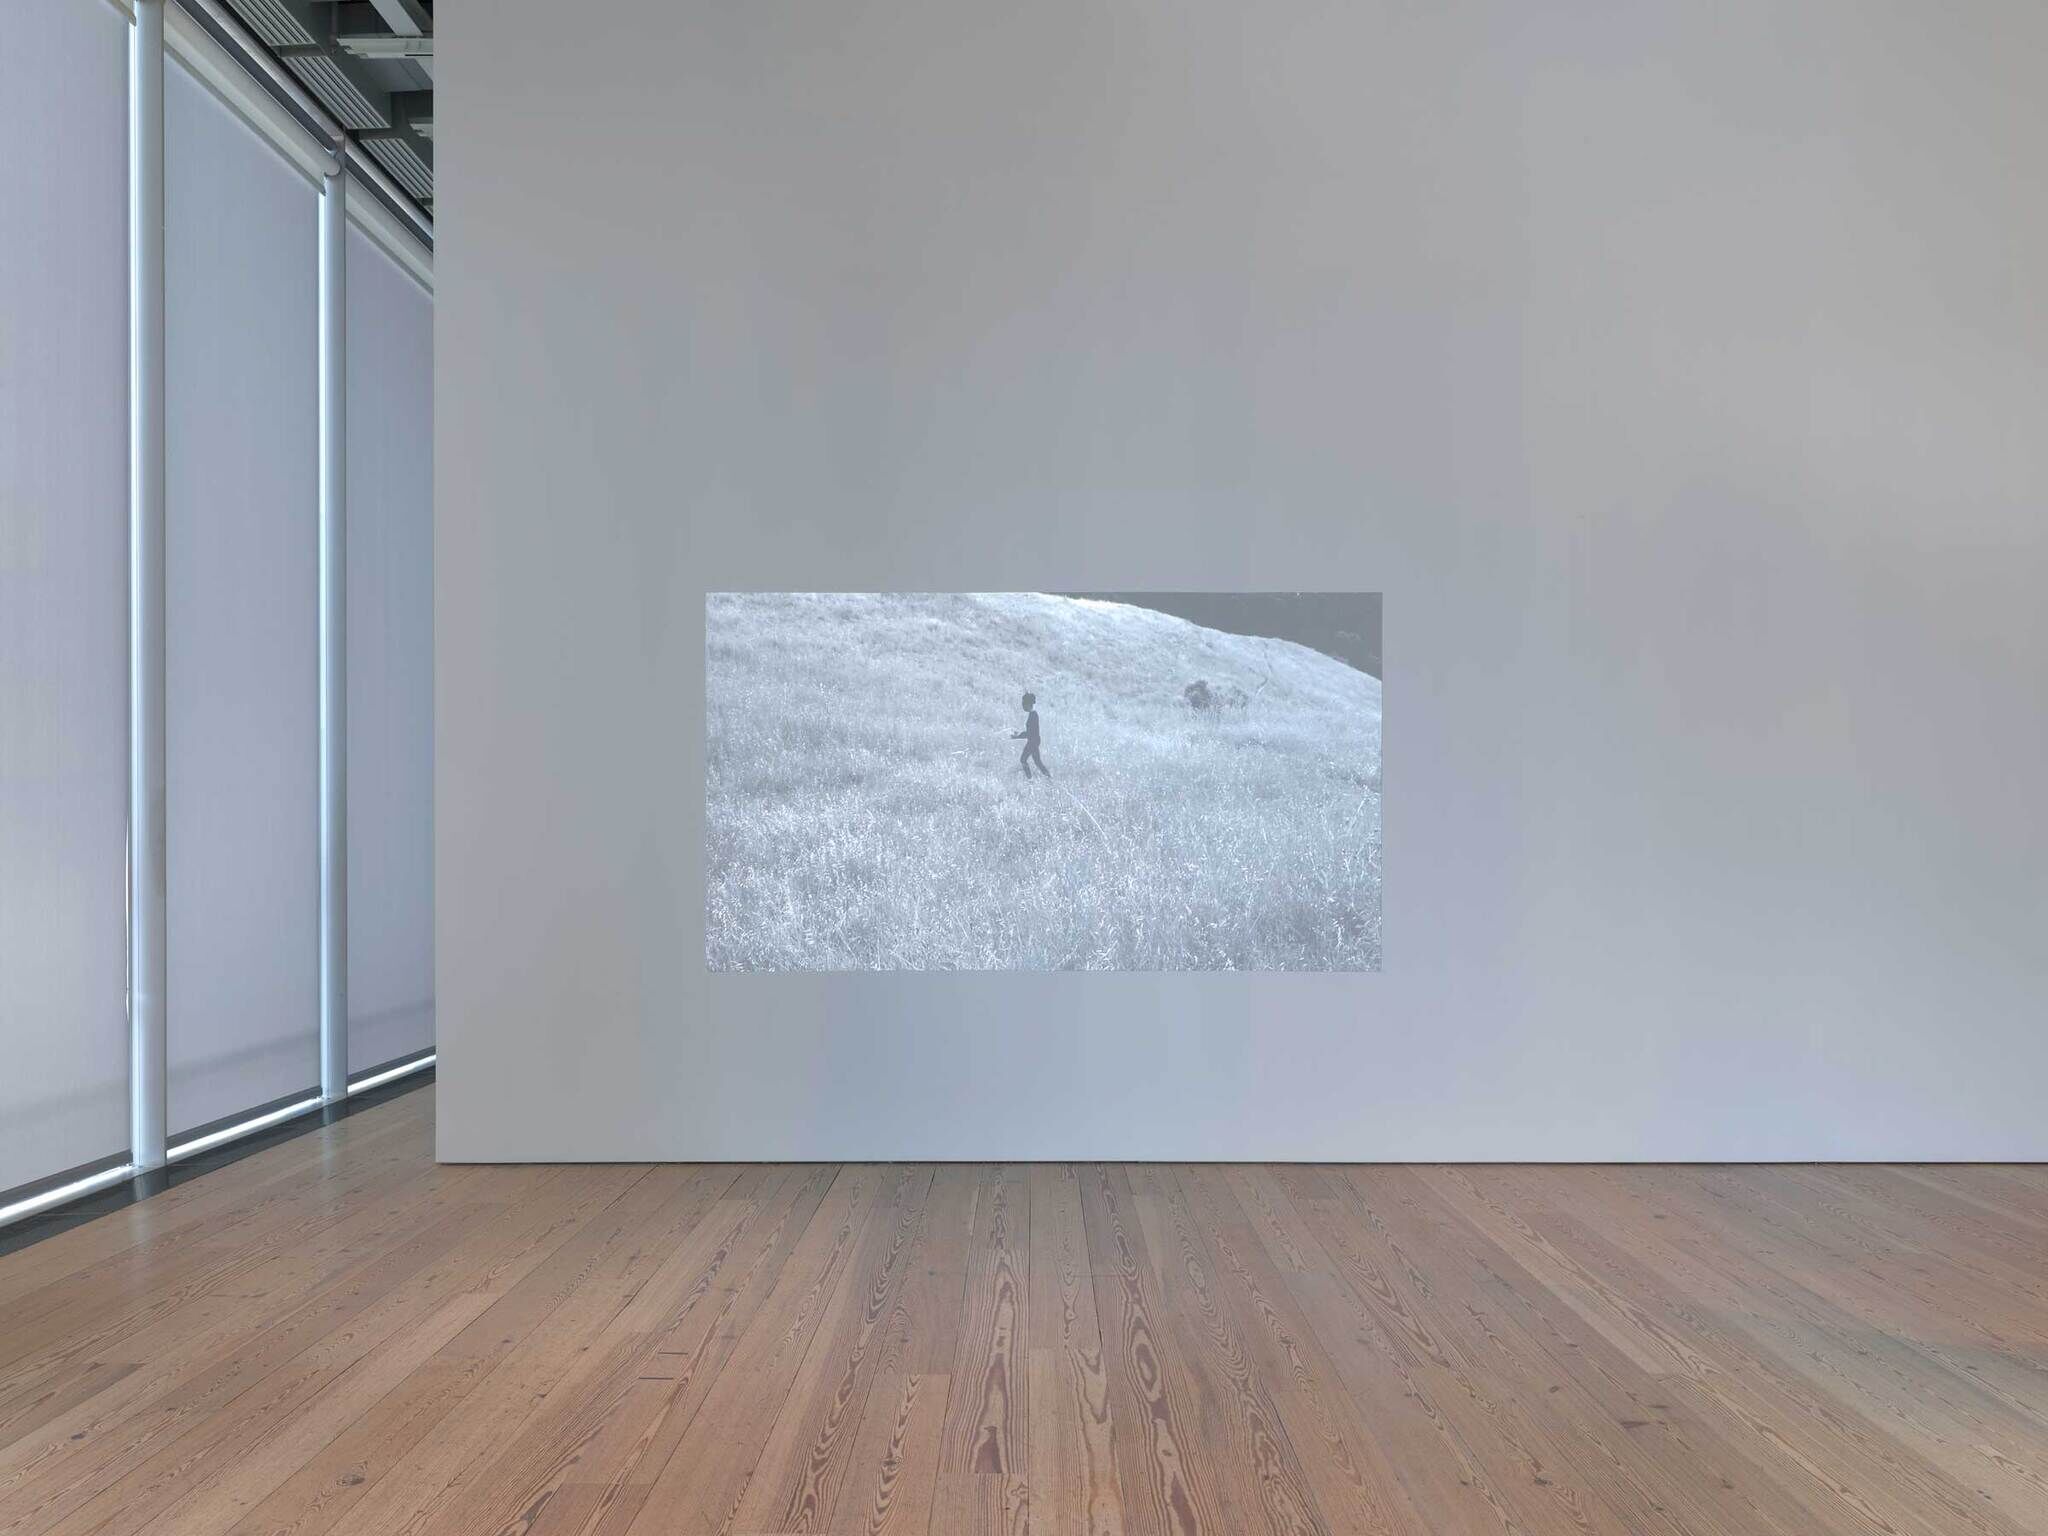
(63, 589)
(390, 660)
(242, 618)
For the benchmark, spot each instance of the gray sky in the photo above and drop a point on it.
(1345, 625)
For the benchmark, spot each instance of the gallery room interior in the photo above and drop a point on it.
(702, 839)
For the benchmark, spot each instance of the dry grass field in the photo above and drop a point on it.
(864, 809)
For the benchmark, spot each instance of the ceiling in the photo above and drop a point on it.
(371, 64)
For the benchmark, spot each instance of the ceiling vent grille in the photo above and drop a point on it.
(340, 95)
(270, 21)
(406, 166)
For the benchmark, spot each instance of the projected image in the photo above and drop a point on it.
(1030, 781)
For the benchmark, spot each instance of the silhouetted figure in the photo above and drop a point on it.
(1029, 736)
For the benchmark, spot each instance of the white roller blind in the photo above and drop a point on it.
(390, 659)
(63, 589)
(241, 571)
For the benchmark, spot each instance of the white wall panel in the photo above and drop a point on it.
(242, 577)
(390, 659)
(63, 588)
(1678, 372)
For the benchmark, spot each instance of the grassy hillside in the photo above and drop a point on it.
(864, 809)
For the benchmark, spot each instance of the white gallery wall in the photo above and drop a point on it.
(1677, 372)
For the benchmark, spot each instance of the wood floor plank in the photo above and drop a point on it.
(987, 1421)
(795, 1485)
(543, 1336)
(706, 1477)
(1588, 1466)
(1943, 1242)
(757, 1237)
(1520, 1464)
(338, 1335)
(1913, 1297)
(1071, 1451)
(196, 1427)
(598, 1339)
(715, 1264)
(993, 1502)
(1357, 1490)
(1443, 1474)
(228, 1343)
(68, 1461)
(1258, 1473)
(1712, 1483)
(892, 1475)
(1853, 1466)
(1948, 1413)
(892, 1478)
(1161, 1468)
(282, 1442)
(323, 1489)
(924, 1330)
(2013, 1194)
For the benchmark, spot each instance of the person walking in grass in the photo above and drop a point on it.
(1029, 736)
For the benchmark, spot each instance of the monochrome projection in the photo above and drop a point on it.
(1030, 781)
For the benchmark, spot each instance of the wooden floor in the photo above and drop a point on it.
(338, 1335)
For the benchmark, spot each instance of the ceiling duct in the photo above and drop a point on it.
(342, 96)
(369, 64)
(273, 23)
(404, 163)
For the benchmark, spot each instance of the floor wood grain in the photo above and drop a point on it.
(338, 1335)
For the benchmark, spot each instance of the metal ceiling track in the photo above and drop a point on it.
(383, 134)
